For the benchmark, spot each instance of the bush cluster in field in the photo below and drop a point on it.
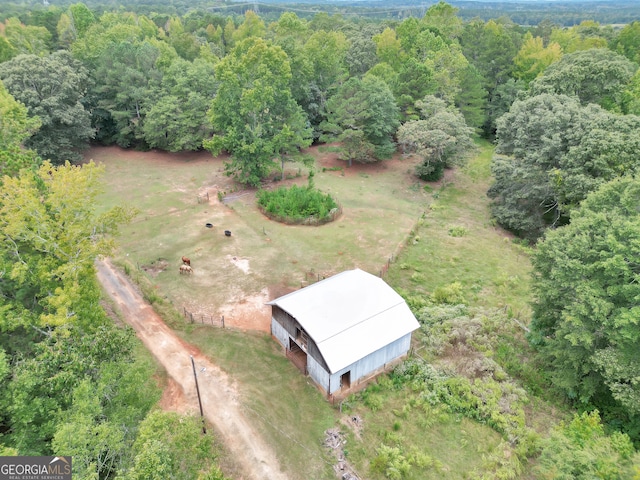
(499, 404)
(482, 390)
(296, 203)
(467, 378)
(582, 449)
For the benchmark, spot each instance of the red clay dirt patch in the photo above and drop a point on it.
(249, 313)
(253, 313)
(331, 160)
(174, 400)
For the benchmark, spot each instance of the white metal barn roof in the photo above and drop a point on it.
(349, 316)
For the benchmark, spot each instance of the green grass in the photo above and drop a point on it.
(453, 444)
(288, 410)
(457, 241)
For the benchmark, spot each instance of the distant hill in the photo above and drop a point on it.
(522, 12)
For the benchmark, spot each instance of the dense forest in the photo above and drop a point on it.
(561, 103)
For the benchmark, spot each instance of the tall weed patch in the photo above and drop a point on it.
(295, 204)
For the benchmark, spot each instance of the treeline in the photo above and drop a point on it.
(148, 81)
(561, 104)
(564, 13)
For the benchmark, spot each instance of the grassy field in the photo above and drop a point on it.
(457, 241)
(437, 234)
(380, 203)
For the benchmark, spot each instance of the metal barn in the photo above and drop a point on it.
(343, 330)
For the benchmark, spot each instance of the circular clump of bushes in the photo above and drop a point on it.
(298, 205)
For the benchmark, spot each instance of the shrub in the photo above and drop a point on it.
(430, 171)
(457, 231)
(450, 294)
(582, 449)
(391, 462)
(296, 204)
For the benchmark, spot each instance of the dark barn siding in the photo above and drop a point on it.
(290, 324)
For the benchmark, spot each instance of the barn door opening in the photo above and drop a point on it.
(345, 380)
(297, 356)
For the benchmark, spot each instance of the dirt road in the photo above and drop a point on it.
(219, 398)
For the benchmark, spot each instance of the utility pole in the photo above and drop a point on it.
(204, 430)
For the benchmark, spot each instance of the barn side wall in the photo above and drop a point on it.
(283, 327)
(287, 322)
(318, 373)
(280, 333)
(372, 364)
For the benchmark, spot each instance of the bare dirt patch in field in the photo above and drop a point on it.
(156, 267)
(249, 313)
(331, 163)
(241, 263)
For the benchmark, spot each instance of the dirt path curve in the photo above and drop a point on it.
(219, 398)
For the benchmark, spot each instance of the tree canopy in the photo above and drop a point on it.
(551, 153)
(177, 121)
(585, 312)
(254, 115)
(594, 76)
(51, 236)
(53, 89)
(363, 115)
(441, 139)
(15, 128)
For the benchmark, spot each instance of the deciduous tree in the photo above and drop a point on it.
(254, 115)
(534, 57)
(441, 139)
(126, 72)
(52, 321)
(552, 152)
(177, 121)
(582, 449)
(15, 128)
(27, 39)
(171, 446)
(585, 313)
(53, 89)
(443, 18)
(627, 42)
(50, 238)
(252, 26)
(594, 76)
